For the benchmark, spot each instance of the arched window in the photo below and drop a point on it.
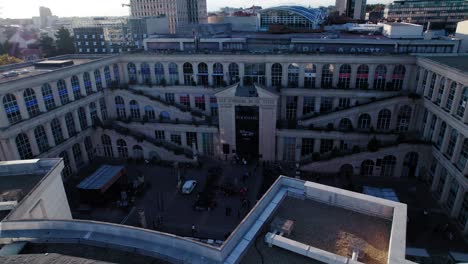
(218, 74)
(120, 107)
(364, 121)
(107, 76)
(88, 144)
(87, 83)
(362, 77)
(463, 155)
(254, 73)
(276, 74)
(345, 124)
(424, 80)
(137, 152)
(159, 73)
(31, 102)
(440, 92)
(327, 76)
(233, 73)
(48, 96)
(98, 80)
(431, 86)
(173, 74)
(203, 74)
(398, 77)
(188, 73)
(380, 77)
(75, 83)
(11, 108)
(145, 73)
(82, 118)
(41, 139)
(462, 102)
(344, 77)
(149, 113)
(404, 118)
(451, 144)
(63, 92)
(70, 123)
(367, 168)
(116, 73)
(309, 75)
(132, 73)
(134, 110)
(122, 148)
(383, 121)
(76, 149)
(107, 146)
(67, 171)
(56, 131)
(93, 112)
(388, 166)
(293, 75)
(164, 115)
(440, 137)
(451, 96)
(24, 148)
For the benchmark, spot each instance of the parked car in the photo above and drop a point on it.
(188, 186)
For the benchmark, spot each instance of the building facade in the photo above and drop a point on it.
(441, 14)
(179, 12)
(330, 113)
(355, 9)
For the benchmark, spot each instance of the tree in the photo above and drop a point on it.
(5, 59)
(47, 46)
(64, 42)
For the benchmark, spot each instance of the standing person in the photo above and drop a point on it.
(194, 231)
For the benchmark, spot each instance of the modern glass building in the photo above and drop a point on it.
(293, 17)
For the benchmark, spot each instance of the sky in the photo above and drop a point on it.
(67, 8)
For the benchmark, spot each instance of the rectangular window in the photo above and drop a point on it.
(200, 102)
(307, 146)
(326, 145)
(208, 144)
(344, 102)
(291, 107)
(309, 105)
(192, 140)
(289, 149)
(326, 104)
(185, 100)
(159, 134)
(176, 139)
(170, 98)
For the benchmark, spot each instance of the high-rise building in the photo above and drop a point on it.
(441, 14)
(179, 12)
(44, 13)
(355, 9)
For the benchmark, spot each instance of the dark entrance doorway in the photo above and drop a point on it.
(247, 126)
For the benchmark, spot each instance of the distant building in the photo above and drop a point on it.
(402, 30)
(355, 9)
(441, 14)
(238, 23)
(462, 34)
(141, 27)
(374, 16)
(44, 14)
(179, 12)
(296, 18)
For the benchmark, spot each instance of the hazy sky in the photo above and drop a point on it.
(63, 8)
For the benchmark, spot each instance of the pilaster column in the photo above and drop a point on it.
(139, 73)
(180, 69)
(3, 118)
(210, 73)
(336, 74)
(389, 76)
(436, 88)
(428, 84)
(84, 153)
(71, 97)
(241, 72)
(371, 78)
(284, 75)
(318, 101)
(301, 75)
(300, 105)
(64, 127)
(226, 72)
(458, 202)
(408, 83)
(71, 159)
(195, 72)
(268, 74)
(55, 94)
(166, 72)
(76, 120)
(446, 139)
(457, 98)
(318, 76)
(40, 99)
(89, 120)
(103, 78)
(317, 145)
(82, 85)
(443, 100)
(457, 149)
(21, 104)
(352, 84)
(419, 88)
(428, 124)
(14, 148)
(446, 189)
(152, 73)
(49, 134)
(33, 142)
(435, 135)
(465, 115)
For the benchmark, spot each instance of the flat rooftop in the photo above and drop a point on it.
(457, 62)
(25, 70)
(337, 230)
